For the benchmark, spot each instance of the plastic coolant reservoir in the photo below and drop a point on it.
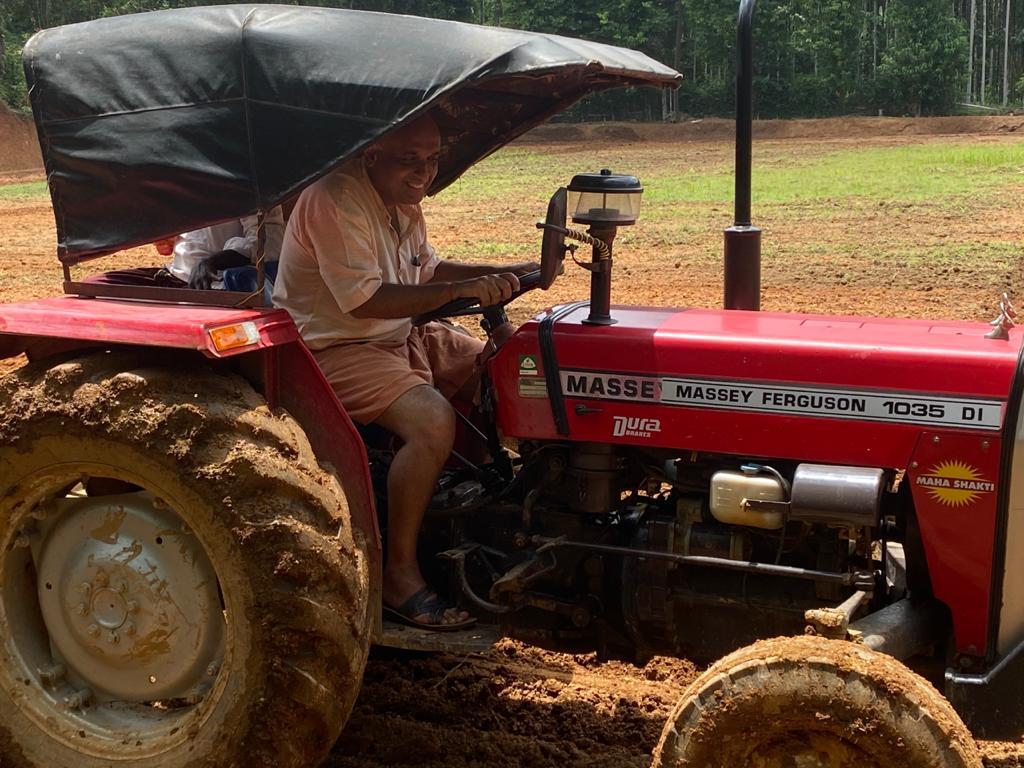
(729, 489)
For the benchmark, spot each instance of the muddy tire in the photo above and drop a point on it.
(807, 702)
(181, 585)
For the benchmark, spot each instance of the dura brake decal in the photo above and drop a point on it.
(764, 397)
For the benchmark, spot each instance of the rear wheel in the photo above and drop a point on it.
(808, 702)
(181, 584)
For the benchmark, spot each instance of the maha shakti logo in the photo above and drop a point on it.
(955, 483)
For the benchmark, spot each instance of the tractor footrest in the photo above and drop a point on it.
(479, 638)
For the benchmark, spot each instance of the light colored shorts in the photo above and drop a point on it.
(368, 376)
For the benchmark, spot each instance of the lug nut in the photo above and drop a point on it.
(22, 542)
(113, 638)
(213, 669)
(50, 676)
(129, 629)
(131, 606)
(93, 630)
(78, 699)
(102, 579)
(82, 609)
(85, 589)
(121, 588)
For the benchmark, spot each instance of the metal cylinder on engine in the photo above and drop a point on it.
(840, 496)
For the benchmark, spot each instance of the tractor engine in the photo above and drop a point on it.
(707, 476)
(642, 540)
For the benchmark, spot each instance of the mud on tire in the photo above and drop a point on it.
(130, 439)
(811, 702)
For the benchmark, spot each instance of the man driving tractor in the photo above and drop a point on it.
(356, 266)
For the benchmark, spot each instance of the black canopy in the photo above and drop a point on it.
(159, 123)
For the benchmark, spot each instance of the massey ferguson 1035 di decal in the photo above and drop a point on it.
(771, 397)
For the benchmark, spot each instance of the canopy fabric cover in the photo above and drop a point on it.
(159, 123)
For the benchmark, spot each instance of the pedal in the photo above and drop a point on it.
(479, 638)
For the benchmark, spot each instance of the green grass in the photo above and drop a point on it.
(907, 174)
(936, 173)
(511, 171)
(33, 190)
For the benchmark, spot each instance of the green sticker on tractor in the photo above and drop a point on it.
(527, 365)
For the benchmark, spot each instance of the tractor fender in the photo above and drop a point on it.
(71, 321)
(263, 345)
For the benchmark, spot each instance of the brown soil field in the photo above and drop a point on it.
(522, 706)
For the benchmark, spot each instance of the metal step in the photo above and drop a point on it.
(479, 638)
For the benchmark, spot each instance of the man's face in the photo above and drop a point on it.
(402, 166)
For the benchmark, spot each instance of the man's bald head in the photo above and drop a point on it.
(422, 130)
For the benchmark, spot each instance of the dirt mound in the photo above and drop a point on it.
(19, 147)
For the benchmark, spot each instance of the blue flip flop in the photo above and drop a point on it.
(425, 601)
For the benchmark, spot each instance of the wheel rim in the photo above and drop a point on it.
(808, 749)
(112, 616)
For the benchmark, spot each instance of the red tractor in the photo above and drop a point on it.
(189, 544)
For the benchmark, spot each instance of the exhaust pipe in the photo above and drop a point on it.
(742, 239)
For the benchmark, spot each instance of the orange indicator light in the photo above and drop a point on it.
(233, 336)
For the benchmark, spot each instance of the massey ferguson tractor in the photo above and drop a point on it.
(190, 550)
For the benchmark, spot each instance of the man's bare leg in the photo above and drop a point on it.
(425, 422)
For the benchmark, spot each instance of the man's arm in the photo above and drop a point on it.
(391, 300)
(450, 271)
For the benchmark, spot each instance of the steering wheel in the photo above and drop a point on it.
(552, 253)
(470, 305)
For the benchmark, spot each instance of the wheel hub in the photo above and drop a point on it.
(129, 598)
(109, 609)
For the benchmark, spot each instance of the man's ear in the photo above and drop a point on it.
(370, 156)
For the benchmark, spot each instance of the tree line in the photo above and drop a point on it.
(812, 57)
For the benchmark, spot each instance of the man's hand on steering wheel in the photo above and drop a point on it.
(489, 289)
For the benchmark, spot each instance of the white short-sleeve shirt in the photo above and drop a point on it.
(339, 248)
(235, 235)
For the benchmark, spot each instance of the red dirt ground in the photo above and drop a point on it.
(518, 705)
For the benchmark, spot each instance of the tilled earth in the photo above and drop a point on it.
(515, 706)
(522, 706)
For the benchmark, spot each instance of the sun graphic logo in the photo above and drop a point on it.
(955, 483)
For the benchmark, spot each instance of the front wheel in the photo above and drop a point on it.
(808, 702)
(180, 582)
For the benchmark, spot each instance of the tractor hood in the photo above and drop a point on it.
(160, 123)
(842, 390)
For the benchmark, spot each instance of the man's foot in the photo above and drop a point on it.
(425, 610)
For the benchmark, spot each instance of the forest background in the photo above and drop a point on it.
(813, 58)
